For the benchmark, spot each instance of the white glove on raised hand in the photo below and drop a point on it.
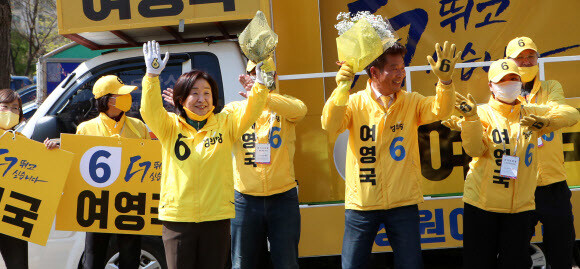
(153, 58)
(259, 77)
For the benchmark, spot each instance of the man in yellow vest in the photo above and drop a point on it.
(553, 207)
(382, 173)
(266, 188)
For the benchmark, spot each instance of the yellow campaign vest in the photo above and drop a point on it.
(102, 125)
(551, 155)
(275, 126)
(484, 137)
(382, 160)
(196, 180)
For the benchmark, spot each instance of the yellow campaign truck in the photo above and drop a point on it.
(203, 34)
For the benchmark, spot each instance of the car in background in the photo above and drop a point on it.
(18, 82)
(27, 94)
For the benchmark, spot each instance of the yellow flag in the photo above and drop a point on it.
(31, 182)
(113, 186)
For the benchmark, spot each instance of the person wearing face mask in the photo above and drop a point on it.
(383, 182)
(14, 251)
(553, 207)
(197, 192)
(498, 196)
(113, 100)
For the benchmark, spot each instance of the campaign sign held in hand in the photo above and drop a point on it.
(113, 186)
(31, 182)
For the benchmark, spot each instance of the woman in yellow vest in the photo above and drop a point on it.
(197, 192)
(113, 100)
(502, 136)
(14, 251)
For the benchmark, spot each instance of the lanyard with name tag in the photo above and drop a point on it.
(263, 150)
(263, 153)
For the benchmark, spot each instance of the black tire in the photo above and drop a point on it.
(152, 251)
(537, 255)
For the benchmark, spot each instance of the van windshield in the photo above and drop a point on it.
(79, 104)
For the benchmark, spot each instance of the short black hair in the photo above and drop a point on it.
(184, 84)
(102, 103)
(379, 62)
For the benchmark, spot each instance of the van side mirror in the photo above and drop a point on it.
(47, 126)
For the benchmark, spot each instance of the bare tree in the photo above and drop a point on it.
(37, 24)
(5, 22)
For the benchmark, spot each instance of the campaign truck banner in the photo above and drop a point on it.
(31, 182)
(75, 16)
(440, 224)
(113, 186)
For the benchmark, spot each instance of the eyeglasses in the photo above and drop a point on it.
(4, 107)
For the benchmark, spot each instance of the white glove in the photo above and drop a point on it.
(153, 59)
(259, 78)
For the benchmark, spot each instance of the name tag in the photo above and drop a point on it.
(509, 166)
(263, 153)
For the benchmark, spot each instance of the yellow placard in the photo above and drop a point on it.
(113, 186)
(31, 183)
(75, 16)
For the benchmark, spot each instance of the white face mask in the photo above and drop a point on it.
(508, 91)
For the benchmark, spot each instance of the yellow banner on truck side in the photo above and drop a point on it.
(31, 182)
(440, 224)
(113, 186)
(81, 16)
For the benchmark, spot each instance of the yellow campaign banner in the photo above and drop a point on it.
(76, 16)
(481, 29)
(31, 184)
(113, 186)
(440, 225)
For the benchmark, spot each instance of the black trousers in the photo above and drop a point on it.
(554, 210)
(198, 245)
(495, 240)
(97, 244)
(14, 252)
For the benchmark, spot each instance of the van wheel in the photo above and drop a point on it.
(152, 255)
(538, 258)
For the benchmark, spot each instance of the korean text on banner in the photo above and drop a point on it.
(113, 186)
(31, 184)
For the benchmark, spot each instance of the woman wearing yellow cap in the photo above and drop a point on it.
(501, 137)
(197, 192)
(113, 100)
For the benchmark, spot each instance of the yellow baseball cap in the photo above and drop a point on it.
(111, 84)
(500, 68)
(251, 65)
(519, 44)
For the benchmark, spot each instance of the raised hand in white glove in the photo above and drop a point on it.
(153, 59)
(259, 78)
